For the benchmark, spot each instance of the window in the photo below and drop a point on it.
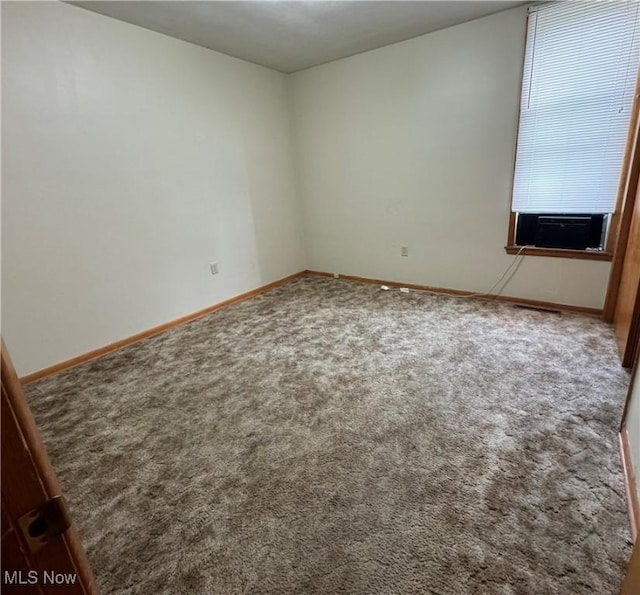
(580, 70)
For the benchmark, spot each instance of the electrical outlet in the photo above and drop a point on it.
(404, 250)
(336, 276)
(214, 268)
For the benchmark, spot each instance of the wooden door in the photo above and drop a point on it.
(631, 584)
(34, 560)
(622, 294)
(627, 313)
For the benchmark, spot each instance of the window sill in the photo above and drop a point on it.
(560, 253)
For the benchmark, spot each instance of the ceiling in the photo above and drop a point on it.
(291, 36)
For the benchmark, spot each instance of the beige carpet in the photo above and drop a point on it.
(328, 437)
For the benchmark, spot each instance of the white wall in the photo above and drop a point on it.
(130, 161)
(414, 144)
(632, 423)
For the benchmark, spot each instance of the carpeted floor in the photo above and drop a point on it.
(328, 437)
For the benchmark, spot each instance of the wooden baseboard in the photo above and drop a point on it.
(75, 361)
(633, 498)
(501, 298)
(85, 357)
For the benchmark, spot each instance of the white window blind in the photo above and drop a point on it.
(579, 79)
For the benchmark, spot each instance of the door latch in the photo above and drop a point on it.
(48, 520)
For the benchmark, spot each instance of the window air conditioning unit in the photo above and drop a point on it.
(573, 232)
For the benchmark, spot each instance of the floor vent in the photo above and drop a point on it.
(538, 308)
